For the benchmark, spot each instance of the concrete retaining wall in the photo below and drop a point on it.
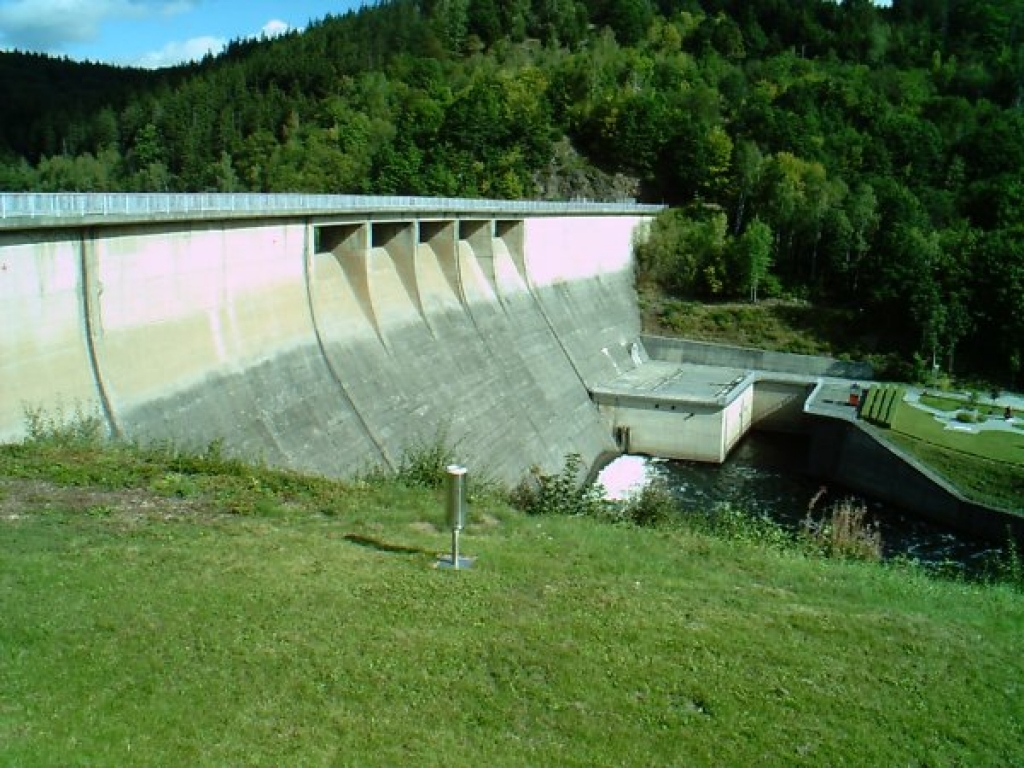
(844, 452)
(703, 353)
(676, 430)
(325, 345)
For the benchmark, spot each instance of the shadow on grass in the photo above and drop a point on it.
(383, 546)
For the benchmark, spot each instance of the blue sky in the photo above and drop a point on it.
(153, 33)
(150, 33)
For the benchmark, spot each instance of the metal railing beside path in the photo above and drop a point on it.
(68, 207)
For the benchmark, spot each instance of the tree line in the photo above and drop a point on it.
(843, 153)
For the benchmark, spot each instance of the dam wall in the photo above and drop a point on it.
(327, 343)
(673, 350)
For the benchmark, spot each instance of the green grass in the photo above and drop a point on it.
(881, 404)
(786, 327)
(987, 465)
(779, 325)
(951, 403)
(996, 445)
(169, 610)
(943, 402)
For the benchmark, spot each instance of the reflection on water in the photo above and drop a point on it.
(764, 476)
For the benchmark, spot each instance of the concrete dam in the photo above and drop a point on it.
(323, 334)
(332, 334)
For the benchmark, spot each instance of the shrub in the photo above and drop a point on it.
(652, 507)
(1007, 565)
(423, 464)
(63, 429)
(566, 493)
(891, 367)
(734, 524)
(844, 532)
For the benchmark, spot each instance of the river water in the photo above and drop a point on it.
(764, 476)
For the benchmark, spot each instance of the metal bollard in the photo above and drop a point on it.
(456, 485)
(456, 490)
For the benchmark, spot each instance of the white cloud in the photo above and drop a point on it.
(274, 28)
(50, 25)
(54, 26)
(181, 52)
(196, 48)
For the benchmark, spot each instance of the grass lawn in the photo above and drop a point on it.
(189, 612)
(986, 465)
(996, 445)
(950, 404)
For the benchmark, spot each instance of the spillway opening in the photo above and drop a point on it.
(439, 235)
(431, 230)
(334, 237)
(505, 228)
(512, 233)
(383, 233)
(475, 231)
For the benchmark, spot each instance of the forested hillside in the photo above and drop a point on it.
(855, 156)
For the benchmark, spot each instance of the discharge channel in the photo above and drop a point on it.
(764, 476)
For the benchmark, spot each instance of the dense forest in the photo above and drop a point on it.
(840, 153)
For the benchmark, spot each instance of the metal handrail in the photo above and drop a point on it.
(68, 206)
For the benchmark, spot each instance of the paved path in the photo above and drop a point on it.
(1014, 401)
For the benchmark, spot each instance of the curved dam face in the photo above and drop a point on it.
(325, 344)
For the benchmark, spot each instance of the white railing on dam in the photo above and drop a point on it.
(18, 208)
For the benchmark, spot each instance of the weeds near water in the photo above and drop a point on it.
(653, 507)
(1007, 567)
(734, 524)
(565, 493)
(1013, 565)
(844, 532)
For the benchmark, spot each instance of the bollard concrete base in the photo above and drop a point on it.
(445, 561)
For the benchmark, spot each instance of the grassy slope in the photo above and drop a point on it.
(987, 466)
(783, 326)
(995, 445)
(143, 624)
